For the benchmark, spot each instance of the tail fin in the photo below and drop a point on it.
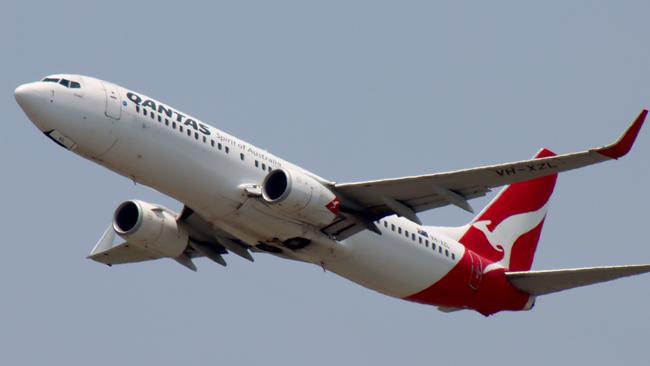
(506, 232)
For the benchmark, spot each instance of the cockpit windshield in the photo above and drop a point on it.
(65, 82)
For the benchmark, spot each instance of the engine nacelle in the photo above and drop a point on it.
(151, 228)
(300, 196)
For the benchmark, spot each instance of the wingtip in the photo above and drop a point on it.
(624, 144)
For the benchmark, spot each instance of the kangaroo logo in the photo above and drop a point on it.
(504, 236)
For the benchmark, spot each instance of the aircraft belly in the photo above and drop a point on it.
(256, 222)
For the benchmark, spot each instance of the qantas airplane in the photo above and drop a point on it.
(241, 199)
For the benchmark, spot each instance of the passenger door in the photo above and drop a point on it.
(113, 102)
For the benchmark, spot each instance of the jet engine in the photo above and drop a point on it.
(150, 227)
(300, 196)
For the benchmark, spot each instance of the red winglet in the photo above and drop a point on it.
(623, 145)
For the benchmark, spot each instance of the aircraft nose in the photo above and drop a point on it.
(31, 97)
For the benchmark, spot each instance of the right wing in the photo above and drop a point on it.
(365, 202)
(105, 251)
(545, 282)
(204, 241)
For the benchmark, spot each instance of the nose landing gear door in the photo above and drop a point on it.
(113, 102)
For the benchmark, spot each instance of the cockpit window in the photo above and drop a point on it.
(65, 82)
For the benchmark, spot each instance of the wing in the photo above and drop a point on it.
(546, 282)
(204, 241)
(365, 202)
(108, 253)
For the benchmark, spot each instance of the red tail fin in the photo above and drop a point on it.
(506, 232)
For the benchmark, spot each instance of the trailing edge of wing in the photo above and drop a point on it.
(546, 282)
(208, 241)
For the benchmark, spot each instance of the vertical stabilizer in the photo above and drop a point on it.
(506, 232)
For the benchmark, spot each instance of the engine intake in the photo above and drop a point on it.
(150, 227)
(127, 217)
(300, 196)
(276, 186)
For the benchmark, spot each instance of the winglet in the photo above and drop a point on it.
(623, 145)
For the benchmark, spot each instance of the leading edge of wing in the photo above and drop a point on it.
(615, 150)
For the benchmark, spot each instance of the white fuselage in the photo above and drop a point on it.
(208, 170)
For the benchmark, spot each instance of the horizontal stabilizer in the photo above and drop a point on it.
(545, 282)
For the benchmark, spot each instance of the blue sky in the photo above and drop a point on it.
(352, 91)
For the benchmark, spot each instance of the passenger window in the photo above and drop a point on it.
(426, 243)
(151, 113)
(180, 128)
(159, 118)
(270, 169)
(204, 139)
(166, 122)
(227, 149)
(75, 85)
(196, 135)
(263, 166)
(219, 146)
(65, 82)
(446, 252)
(413, 238)
(189, 132)
(392, 227)
(257, 164)
(433, 246)
(453, 256)
(174, 125)
(144, 111)
(212, 143)
(420, 239)
(399, 230)
(386, 224)
(440, 249)
(241, 156)
(406, 232)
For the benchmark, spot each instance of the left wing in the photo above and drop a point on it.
(365, 202)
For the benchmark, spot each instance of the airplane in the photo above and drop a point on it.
(241, 199)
